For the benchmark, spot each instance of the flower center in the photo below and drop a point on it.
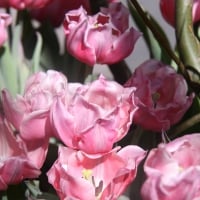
(155, 97)
(87, 175)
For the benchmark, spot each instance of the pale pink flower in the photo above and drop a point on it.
(15, 164)
(77, 175)
(29, 114)
(23, 4)
(54, 12)
(104, 38)
(173, 170)
(98, 115)
(167, 8)
(5, 21)
(161, 96)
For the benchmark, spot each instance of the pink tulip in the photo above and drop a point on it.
(98, 115)
(161, 96)
(29, 114)
(54, 12)
(23, 4)
(173, 170)
(5, 21)
(104, 38)
(167, 8)
(77, 175)
(15, 164)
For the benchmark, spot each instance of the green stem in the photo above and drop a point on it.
(137, 135)
(120, 71)
(185, 125)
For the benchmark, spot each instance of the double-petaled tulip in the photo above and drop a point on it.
(161, 96)
(5, 21)
(167, 8)
(98, 115)
(173, 170)
(77, 175)
(23, 4)
(15, 163)
(104, 38)
(29, 114)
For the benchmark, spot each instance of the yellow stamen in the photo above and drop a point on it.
(87, 174)
(155, 97)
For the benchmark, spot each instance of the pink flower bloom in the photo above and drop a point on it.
(173, 170)
(15, 164)
(54, 12)
(23, 4)
(167, 8)
(5, 21)
(77, 175)
(101, 38)
(161, 96)
(29, 114)
(97, 116)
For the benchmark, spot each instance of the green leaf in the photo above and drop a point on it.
(50, 54)
(187, 43)
(37, 54)
(8, 70)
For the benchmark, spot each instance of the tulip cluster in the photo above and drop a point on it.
(99, 129)
(89, 120)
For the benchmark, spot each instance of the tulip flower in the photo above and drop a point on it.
(77, 175)
(55, 10)
(161, 96)
(173, 169)
(29, 113)
(23, 4)
(167, 8)
(101, 38)
(5, 21)
(98, 115)
(15, 164)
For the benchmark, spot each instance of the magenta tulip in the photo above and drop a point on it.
(104, 38)
(161, 96)
(29, 114)
(54, 12)
(23, 4)
(77, 175)
(15, 164)
(173, 170)
(98, 115)
(167, 8)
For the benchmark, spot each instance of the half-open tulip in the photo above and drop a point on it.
(104, 38)
(98, 115)
(173, 170)
(161, 96)
(77, 175)
(29, 113)
(15, 164)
